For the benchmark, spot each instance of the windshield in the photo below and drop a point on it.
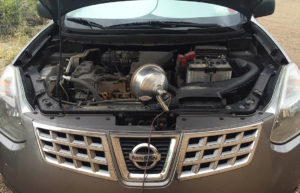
(124, 12)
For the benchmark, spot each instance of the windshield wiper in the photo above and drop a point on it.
(163, 24)
(144, 25)
(86, 22)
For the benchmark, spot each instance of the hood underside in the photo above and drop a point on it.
(246, 7)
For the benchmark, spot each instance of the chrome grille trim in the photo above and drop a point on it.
(209, 153)
(80, 151)
(159, 179)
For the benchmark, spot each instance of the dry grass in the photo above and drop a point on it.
(11, 46)
(3, 188)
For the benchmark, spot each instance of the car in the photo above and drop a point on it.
(151, 96)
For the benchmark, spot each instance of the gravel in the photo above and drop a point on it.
(284, 26)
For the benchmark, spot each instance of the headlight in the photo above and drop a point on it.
(8, 91)
(10, 106)
(288, 114)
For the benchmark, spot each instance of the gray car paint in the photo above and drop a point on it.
(26, 172)
(245, 7)
(269, 171)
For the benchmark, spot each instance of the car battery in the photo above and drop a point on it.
(208, 70)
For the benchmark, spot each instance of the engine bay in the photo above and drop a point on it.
(207, 78)
(134, 83)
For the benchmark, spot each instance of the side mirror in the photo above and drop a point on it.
(43, 11)
(266, 7)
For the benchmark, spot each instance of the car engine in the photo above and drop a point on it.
(206, 77)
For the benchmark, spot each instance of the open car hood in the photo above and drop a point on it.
(246, 7)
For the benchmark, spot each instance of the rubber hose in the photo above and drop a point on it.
(226, 86)
(172, 89)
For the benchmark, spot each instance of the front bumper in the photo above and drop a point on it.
(26, 171)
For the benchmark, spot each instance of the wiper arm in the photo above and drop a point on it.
(86, 22)
(190, 24)
(163, 24)
(143, 25)
(149, 24)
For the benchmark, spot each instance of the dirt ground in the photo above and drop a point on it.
(284, 26)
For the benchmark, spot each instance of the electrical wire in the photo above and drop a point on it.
(148, 153)
(64, 90)
(149, 142)
(59, 69)
(99, 102)
(156, 6)
(114, 101)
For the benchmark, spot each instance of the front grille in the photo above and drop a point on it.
(162, 145)
(82, 152)
(200, 154)
(209, 153)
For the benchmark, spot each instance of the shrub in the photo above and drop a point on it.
(10, 16)
(29, 13)
(17, 15)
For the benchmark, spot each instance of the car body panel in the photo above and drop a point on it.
(255, 22)
(277, 172)
(245, 7)
(25, 171)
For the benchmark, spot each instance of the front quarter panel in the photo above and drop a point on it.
(269, 40)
